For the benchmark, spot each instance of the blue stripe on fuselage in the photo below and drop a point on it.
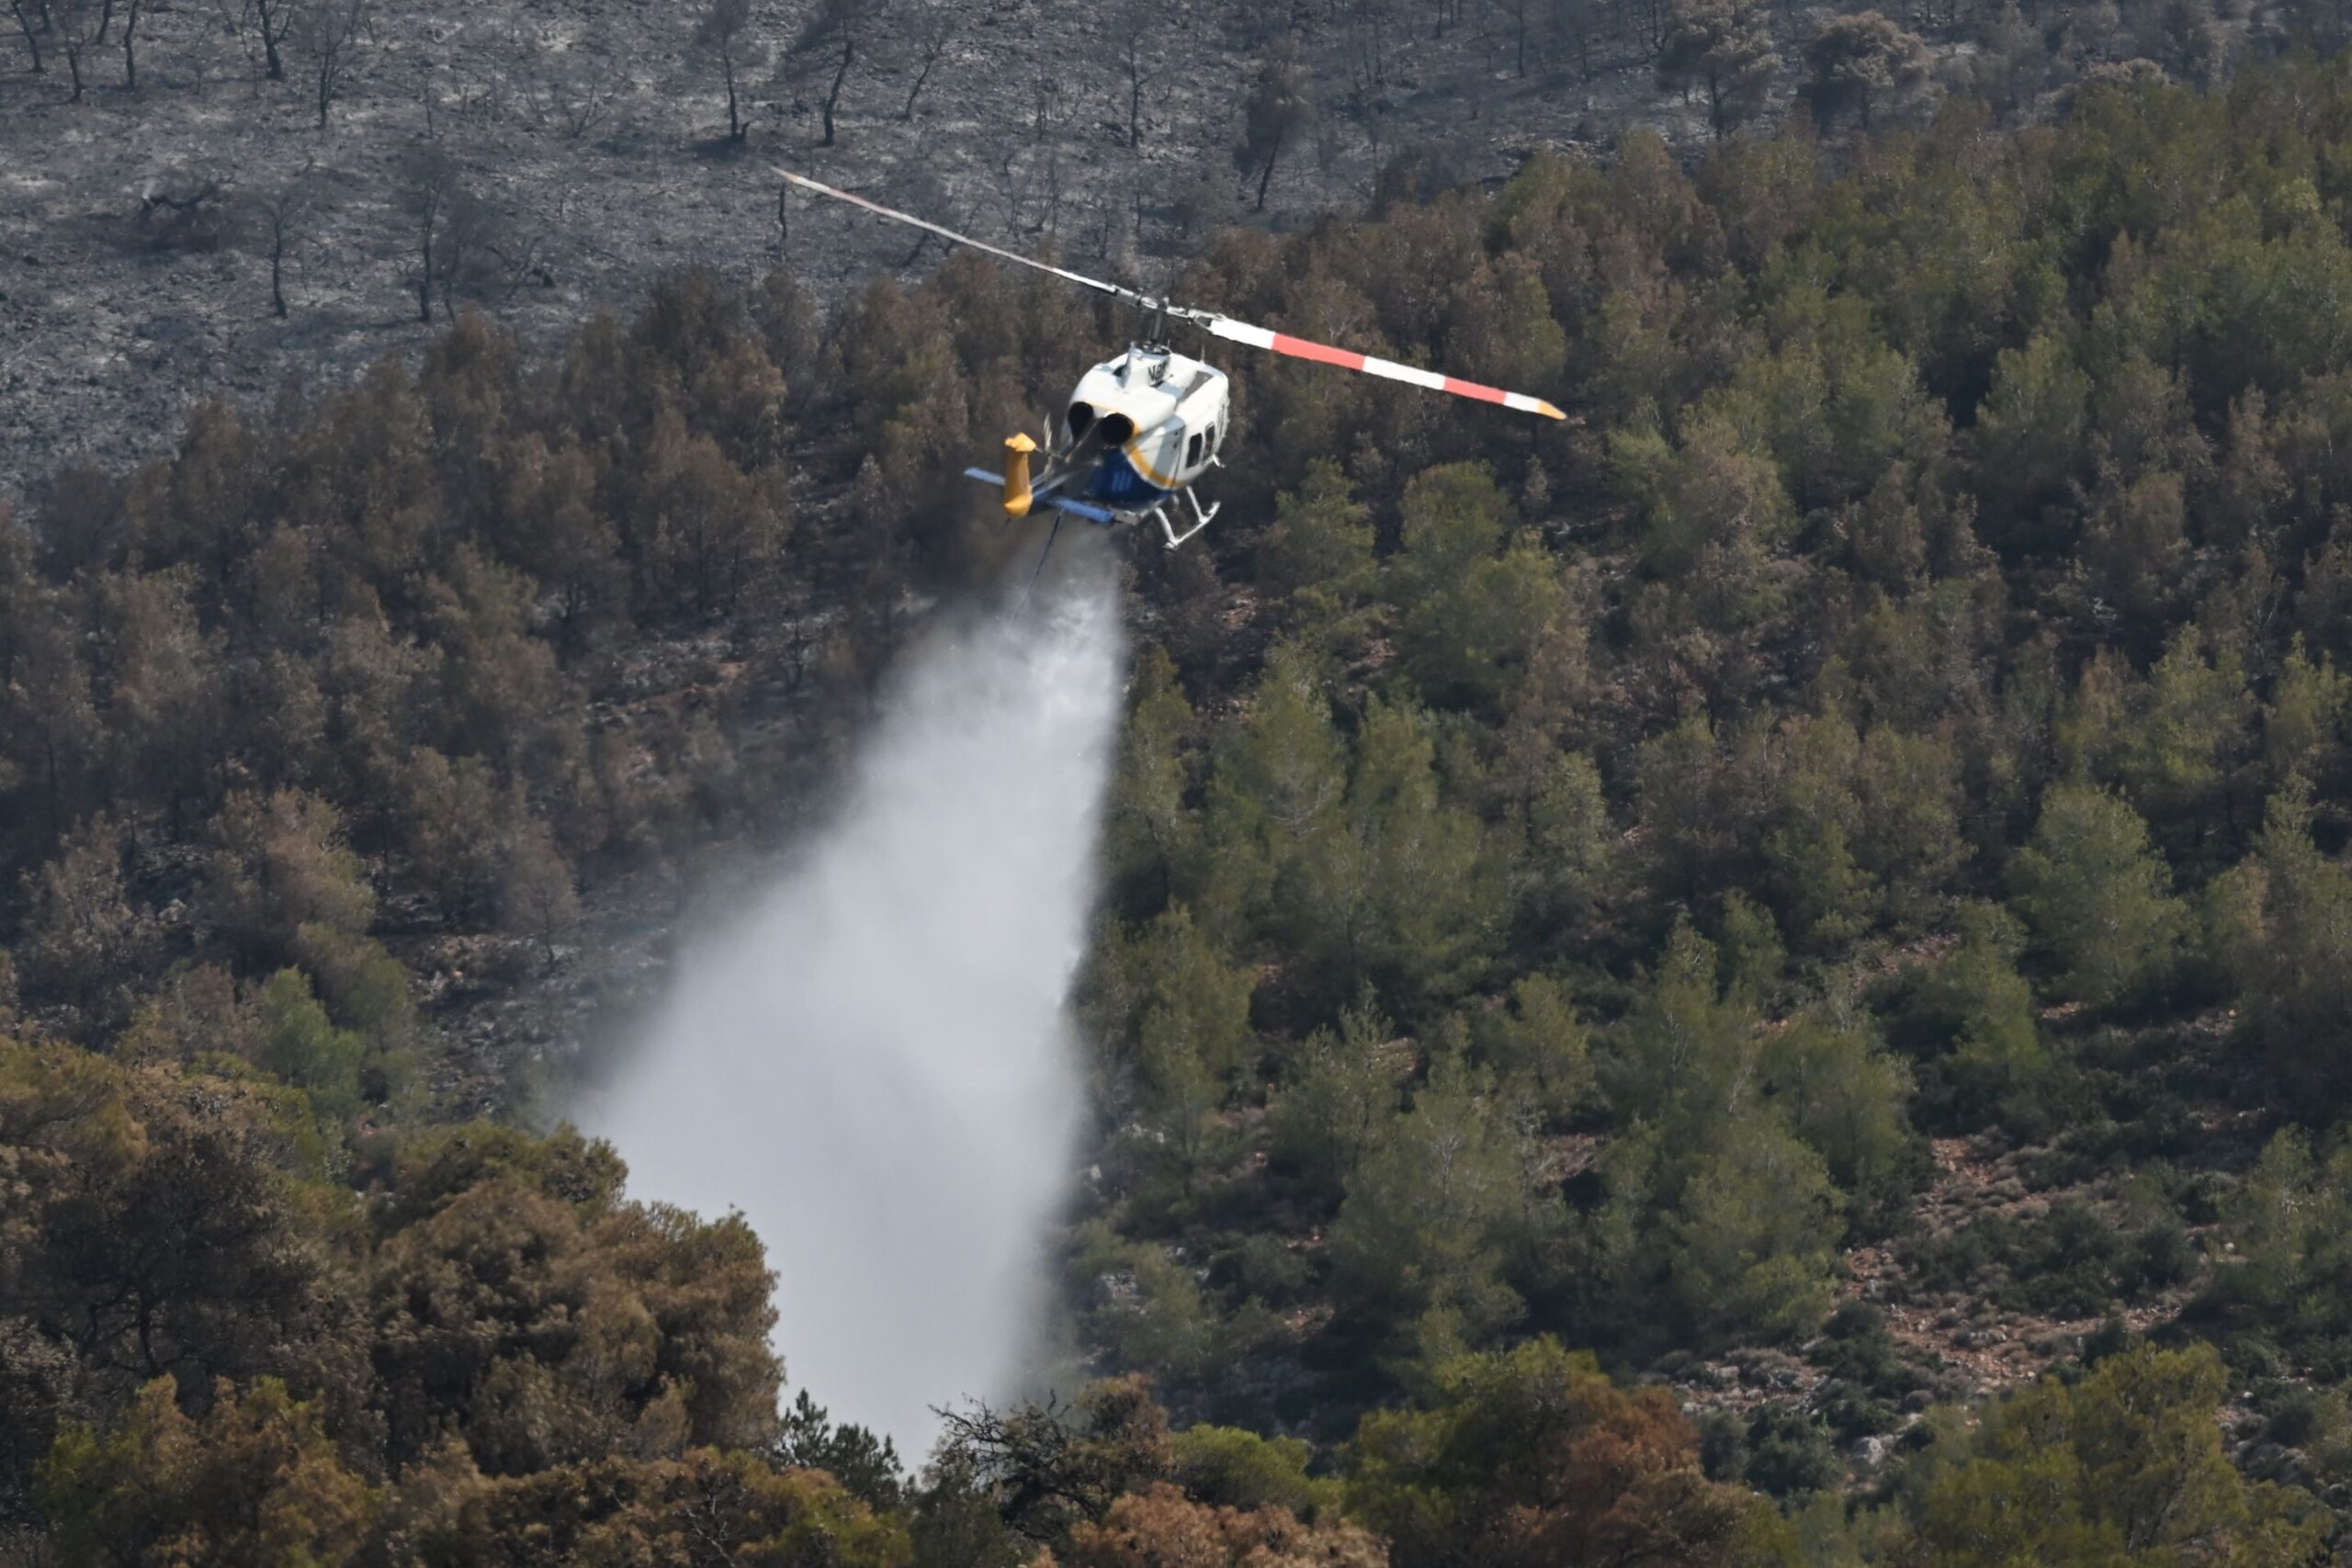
(1114, 479)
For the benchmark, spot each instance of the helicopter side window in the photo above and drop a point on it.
(1192, 451)
(1081, 414)
(1215, 437)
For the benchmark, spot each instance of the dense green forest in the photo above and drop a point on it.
(1760, 977)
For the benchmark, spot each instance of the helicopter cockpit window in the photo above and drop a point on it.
(1216, 435)
(1081, 414)
(1192, 451)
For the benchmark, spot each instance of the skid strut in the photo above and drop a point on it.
(1200, 519)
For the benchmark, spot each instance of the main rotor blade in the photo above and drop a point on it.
(1348, 359)
(1220, 326)
(1202, 318)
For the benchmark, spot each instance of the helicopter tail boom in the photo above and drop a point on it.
(1058, 503)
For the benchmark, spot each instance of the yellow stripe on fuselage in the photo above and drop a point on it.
(1143, 466)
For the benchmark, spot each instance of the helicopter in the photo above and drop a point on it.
(1142, 428)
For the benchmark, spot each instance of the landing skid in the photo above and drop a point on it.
(1200, 519)
(1064, 507)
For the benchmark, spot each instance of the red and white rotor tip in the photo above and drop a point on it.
(1348, 359)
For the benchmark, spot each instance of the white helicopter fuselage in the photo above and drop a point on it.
(1158, 417)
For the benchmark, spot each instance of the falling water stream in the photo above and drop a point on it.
(872, 1061)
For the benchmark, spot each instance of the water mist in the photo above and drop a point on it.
(871, 1062)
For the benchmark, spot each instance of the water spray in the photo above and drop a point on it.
(873, 1060)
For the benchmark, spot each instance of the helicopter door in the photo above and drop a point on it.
(1193, 450)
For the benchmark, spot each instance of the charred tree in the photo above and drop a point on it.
(130, 32)
(429, 189)
(277, 220)
(720, 35)
(1130, 26)
(273, 22)
(331, 33)
(74, 27)
(831, 38)
(937, 34)
(1280, 106)
(32, 20)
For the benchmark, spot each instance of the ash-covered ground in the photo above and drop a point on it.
(589, 154)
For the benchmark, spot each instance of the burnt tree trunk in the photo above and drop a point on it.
(32, 34)
(1134, 96)
(271, 15)
(1266, 176)
(424, 279)
(915, 92)
(841, 76)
